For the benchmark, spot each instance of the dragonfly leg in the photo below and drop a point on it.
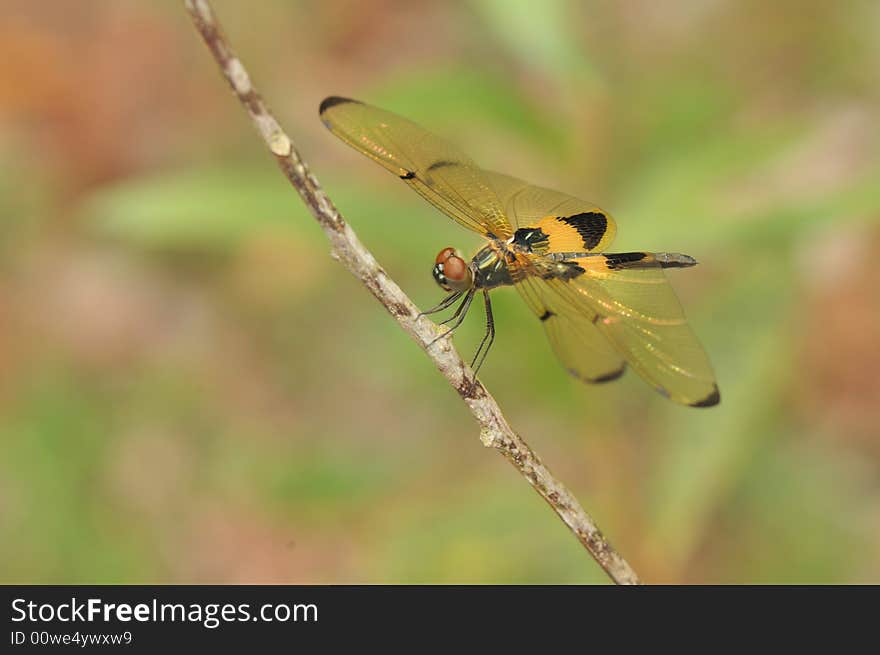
(446, 302)
(488, 338)
(460, 312)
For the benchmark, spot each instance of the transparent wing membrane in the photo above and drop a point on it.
(437, 170)
(581, 349)
(637, 311)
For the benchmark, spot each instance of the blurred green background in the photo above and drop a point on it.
(191, 390)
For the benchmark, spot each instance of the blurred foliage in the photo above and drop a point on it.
(192, 391)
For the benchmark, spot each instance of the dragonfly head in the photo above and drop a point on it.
(452, 272)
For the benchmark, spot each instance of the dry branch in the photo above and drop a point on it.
(347, 248)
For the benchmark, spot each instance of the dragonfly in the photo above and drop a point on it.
(601, 311)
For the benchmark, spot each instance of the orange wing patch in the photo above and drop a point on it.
(584, 232)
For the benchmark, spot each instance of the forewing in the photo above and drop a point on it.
(568, 223)
(436, 169)
(637, 311)
(580, 347)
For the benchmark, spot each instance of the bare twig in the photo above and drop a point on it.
(347, 248)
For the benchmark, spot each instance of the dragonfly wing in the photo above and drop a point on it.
(568, 223)
(637, 311)
(581, 349)
(625, 298)
(437, 170)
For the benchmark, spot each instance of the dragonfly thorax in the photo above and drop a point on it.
(490, 267)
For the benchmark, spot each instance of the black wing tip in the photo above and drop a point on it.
(709, 401)
(610, 377)
(332, 101)
(607, 377)
(441, 163)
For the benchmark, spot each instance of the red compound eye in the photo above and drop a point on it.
(444, 254)
(455, 269)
